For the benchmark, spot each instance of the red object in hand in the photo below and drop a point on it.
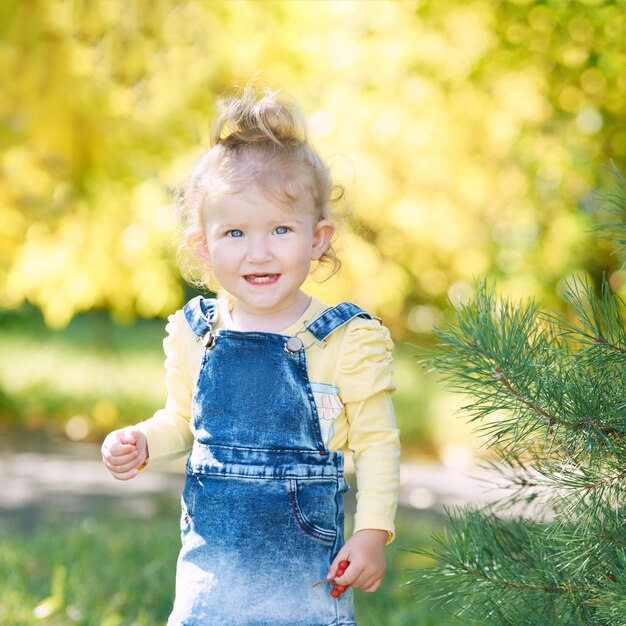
(336, 590)
(341, 568)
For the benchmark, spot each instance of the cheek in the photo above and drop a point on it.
(223, 256)
(301, 261)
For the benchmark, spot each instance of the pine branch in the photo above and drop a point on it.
(551, 418)
(513, 358)
(512, 584)
(601, 340)
(599, 322)
(506, 563)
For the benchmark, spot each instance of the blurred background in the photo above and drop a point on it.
(472, 138)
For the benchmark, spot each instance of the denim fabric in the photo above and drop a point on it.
(201, 314)
(332, 319)
(262, 511)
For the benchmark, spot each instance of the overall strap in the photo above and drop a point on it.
(333, 318)
(201, 314)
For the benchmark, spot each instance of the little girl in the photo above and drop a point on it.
(265, 386)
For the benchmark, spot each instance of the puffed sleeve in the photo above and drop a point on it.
(367, 360)
(168, 430)
(366, 384)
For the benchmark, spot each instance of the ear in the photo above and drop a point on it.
(323, 232)
(196, 241)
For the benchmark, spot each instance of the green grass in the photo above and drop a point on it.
(105, 375)
(107, 569)
(102, 570)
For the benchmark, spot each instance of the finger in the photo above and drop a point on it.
(347, 580)
(121, 448)
(129, 436)
(114, 437)
(370, 587)
(359, 576)
(368, 581)
(351, 575)
(120, 459)
(125, 475)
(123, 467)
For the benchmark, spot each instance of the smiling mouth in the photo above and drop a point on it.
(261, 279)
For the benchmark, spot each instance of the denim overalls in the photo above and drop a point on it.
(262, 511)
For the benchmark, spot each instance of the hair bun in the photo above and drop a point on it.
(258, 117)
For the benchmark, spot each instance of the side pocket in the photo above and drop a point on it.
(314, 507)
(187, 501)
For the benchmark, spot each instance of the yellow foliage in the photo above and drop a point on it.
(465, 133)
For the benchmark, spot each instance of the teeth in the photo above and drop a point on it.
(259, 279)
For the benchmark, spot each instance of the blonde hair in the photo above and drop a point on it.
(256, 139)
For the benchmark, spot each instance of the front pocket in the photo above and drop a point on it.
(314, 504)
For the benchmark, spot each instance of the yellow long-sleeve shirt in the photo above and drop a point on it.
(351, 379)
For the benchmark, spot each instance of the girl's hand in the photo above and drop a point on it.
(365, 551)
(125, 452)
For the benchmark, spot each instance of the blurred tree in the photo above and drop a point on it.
(464, 133)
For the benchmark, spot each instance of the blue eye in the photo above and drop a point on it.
(235, 232)
(281, 230)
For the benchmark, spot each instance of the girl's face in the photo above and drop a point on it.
(260, 250)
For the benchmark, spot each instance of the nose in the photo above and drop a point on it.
(259, 250)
